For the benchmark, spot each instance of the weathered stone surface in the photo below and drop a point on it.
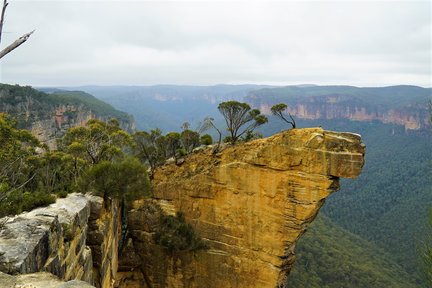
(39, 280)
(75, 238)
(250, 202)
(103, 239)
(34, 241)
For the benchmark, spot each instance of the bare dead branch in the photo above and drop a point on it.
(5, 4)
(15, 44)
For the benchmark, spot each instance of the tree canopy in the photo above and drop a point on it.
(237, 115)
(278, 111)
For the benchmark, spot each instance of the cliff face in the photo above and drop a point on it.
(48, 116)
(413, 117)
(250, 203)
(401, 105)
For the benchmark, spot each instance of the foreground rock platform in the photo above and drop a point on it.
(73, 239)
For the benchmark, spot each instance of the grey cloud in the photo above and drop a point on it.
(152, 42)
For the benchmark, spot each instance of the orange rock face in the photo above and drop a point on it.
(250, 202)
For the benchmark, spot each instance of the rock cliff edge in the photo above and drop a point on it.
(250, 202)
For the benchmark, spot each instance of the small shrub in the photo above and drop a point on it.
(36, 199)
(62, 194)
(67, 232)
(206, 139)
(19, 201)
(176, 235)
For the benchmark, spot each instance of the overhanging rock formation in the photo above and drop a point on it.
(250, 202)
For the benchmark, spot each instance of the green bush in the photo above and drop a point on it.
(36, 199)
(206, 139)
(176, 235)
(18, 201)
(67, 232)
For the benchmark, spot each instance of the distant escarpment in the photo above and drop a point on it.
(401, 105)
(48, 116)
(250, 203)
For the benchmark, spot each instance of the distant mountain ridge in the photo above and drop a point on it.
(402, 105)
(165, 106)
(168, 106)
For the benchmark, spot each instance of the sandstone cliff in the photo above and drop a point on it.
(48, 116)
(250, 203)
(401, 105)
(412, 118)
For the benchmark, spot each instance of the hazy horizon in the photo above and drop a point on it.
(217, 84)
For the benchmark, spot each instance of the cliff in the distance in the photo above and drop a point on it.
(250, 203)
(48, 116)
(401, 105)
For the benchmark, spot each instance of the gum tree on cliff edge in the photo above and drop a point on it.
(17, 42)
(237, 115)
(278, 111)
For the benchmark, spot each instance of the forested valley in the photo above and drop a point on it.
(369, 234)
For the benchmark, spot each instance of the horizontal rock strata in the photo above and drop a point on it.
(250, 203)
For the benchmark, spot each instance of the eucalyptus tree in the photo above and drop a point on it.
(97, 141)
(279, 109)
(240, 119)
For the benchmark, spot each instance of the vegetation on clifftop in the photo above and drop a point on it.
(28, 105)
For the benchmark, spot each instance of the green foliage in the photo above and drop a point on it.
(54, 172)
(93, 156)
(176, 234)
(189, 140)
(154, 149)
(67, 232)
(237, 115)
(149, 147)
(97, 141)
(18, 201)
(16, 171)
(206, 139)
(207, 124)
(13, 98)
(97, 106)
(328, 257)
(388, 203)
(425, 251)
(251, 135)
(172, 143)
(125, 179)
(278, 110)
(430, 109)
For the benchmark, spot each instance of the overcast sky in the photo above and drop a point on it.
(366, 43)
